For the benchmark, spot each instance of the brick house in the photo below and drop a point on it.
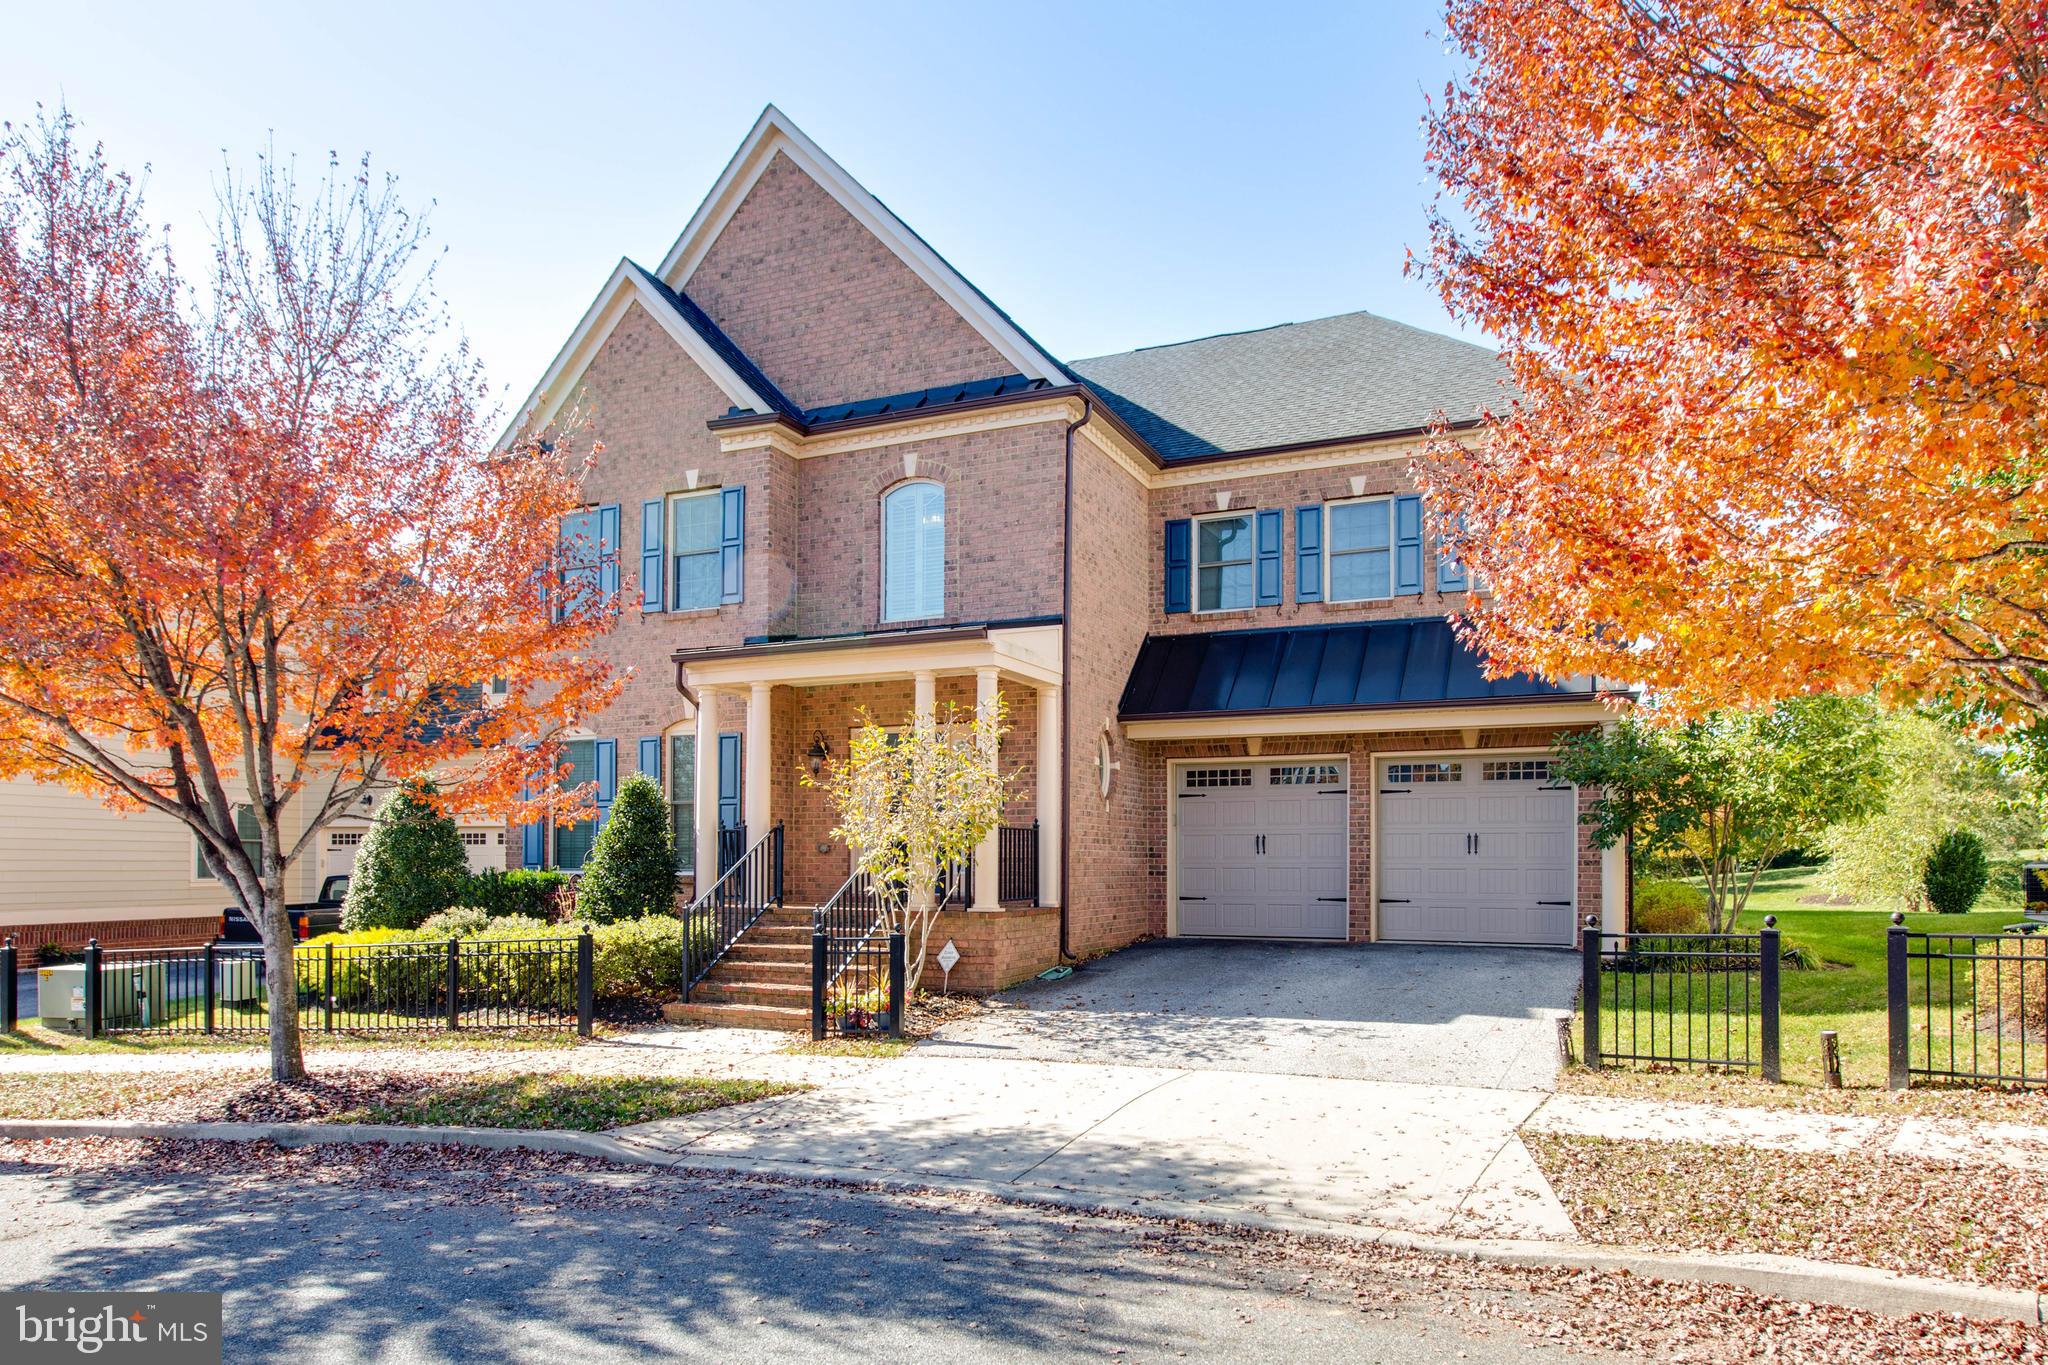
(836, 476)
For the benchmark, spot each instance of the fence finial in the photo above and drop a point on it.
(1770, 921)
(1898, 917)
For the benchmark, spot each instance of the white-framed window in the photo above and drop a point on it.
(914, 551)
(1224, 574)
(1301, 775)
(1518, 770)
(476, 838)
(1218, 777)
(573, 842)
(1408, 774)
(1358, 536)
(693, 538)
(682, 798)
(251, 835)
(345, 838)
(586, 558)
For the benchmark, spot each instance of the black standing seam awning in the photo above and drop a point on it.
(1311, 668)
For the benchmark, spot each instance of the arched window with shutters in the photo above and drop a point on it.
(914, 551)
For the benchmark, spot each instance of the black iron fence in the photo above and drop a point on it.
(745, 891)
(1707, 1000)
(223, 989)
(857, 984)
(1970, 1008)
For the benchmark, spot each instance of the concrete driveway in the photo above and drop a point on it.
(1384, 1012)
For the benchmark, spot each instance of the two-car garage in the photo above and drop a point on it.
(1470, 848)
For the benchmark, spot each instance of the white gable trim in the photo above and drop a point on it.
(625, 287)
(772, 133)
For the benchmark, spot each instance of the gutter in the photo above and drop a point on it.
(1067, 664)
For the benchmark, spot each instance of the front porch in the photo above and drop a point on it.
(769, 714)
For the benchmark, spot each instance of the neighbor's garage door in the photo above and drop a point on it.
(1475, 850)
(1262, 850)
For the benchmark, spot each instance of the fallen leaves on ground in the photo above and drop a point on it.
(506, 1100)
(2012, 1105)
(1606, 1315)
(1915, 1215)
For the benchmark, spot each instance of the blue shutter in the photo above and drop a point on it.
(729, 780)
(1450, 570)
(651, 516)
(608, 552)
(606, 752)
(1407, 544)
(650, 757)
(1179, 542)
(732, 535)
(1267, 574)
(533, 849)
(1308, 553)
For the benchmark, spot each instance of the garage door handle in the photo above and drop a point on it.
(1553, 902)
(1194, 898)
(1338, 900)
(1393, 900)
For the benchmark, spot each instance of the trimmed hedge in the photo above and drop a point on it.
(1664, 907)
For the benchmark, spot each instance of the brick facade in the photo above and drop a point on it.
(830, 314)
(171, 931)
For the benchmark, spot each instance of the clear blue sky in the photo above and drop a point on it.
(1113, 175)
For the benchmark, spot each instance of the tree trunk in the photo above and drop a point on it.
(281, 981)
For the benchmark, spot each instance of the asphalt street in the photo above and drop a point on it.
(396, 1258)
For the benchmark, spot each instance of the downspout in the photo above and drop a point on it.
(1067, 669)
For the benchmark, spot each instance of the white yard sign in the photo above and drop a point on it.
(949, 956)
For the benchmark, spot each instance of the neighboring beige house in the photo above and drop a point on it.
(837, 477)
(71, 869)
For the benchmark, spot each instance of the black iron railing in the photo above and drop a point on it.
(342, 987)
(1969, 1008)
(1708, 1000)
(1017, 864)
(857, 967)
(732, 846)
(745, 891)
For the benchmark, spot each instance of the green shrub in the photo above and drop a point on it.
(1669, 908)
(1955, 872)
(373, 968)
(411, 864)
(457, 921)
(631, 870)
(527, 891)
(641, 957)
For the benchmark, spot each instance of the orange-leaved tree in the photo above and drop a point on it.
(1769, 278)
(258, 558)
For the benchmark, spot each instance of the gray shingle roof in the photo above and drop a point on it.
(1350, 375)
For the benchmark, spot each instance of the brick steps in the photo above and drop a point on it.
(763, 981)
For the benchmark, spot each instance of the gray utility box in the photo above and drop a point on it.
(60, 996)
(238, 980)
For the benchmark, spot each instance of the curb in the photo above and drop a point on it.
(1789, 1277)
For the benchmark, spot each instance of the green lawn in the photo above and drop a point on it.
(1843, 990)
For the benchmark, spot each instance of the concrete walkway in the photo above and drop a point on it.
(1436, 1159)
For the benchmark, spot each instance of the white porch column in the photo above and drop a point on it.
(1613, 878)
(707, 789)
(987, 889)
(925, 697)
(1048, 795)
(757, 785)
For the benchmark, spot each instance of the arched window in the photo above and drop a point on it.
(914, 552)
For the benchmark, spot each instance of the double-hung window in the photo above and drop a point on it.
(573, 842)
(1223, 563)
(586, 559)
(1361, 549)
(914, 552)
(251, 835)
(693, 527)
(682, 799)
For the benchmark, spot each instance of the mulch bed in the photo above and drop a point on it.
(1977, 1223)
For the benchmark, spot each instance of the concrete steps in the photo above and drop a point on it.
(763, 981)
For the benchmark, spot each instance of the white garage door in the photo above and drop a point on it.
(1262, 849)
(1476, 850)
(483, 847)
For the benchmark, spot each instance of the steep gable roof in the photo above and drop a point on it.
(1331, 379)
(774, 133)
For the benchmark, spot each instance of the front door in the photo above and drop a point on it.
(1262, 849)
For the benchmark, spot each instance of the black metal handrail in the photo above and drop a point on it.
(732, 846)
(855, 913)
(747, 890)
